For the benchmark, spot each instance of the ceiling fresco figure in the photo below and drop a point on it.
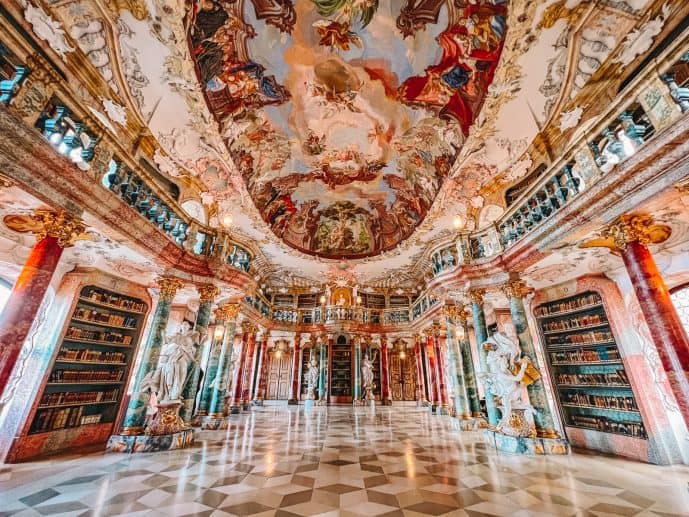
(343, 126)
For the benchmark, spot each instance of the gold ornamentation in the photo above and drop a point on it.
(207, 292)
(248, 327)
(516, 289)
(452, 312)
(220, 315)
(627, 229)
(136, 7)
(48, 223)
(168, 287)
(476, 295)
(5, 182)
(228, 312)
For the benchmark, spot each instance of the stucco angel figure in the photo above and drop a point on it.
(168, 379)
(506, 379)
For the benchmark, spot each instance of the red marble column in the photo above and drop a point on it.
(421, 385)
(54, 231)
(236, 405)
(262, 372)
(431, 372)
(386, 399)
(440, 373)
(296, 355)
(248, 370)
(663, 321)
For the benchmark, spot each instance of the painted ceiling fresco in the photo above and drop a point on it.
(344, 117)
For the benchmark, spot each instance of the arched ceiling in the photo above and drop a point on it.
(344, 117)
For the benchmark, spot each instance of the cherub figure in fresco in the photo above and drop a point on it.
(337, 32)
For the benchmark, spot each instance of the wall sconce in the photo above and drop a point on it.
(460, 332)
(218, 332)
(403, 354)
(458, 222)
(358, 300)
(227, 220)
(322, 299)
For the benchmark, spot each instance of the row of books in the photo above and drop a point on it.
(568, 305)
(585, 320)
(618, 378)
(60, 418)
(88, 355)
(78, 397)
(98, 335)
(86, 314)
(86, 375)
(585, 356)
(111, 299)
(600, 423)
(600, 401)
(584, 338)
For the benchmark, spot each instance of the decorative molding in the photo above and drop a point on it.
(66, 228)
(207, 292)
(627, 229)
(168, 287)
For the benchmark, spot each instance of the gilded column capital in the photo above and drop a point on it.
(627, 229)
(476, 295)
(169, 286)
(49, 223)
(516, 289)
(457, 314)
(231, 311)
(207, 292)
(220, 315)
(247, 326)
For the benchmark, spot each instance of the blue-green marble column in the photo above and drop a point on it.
(357, 370)
(481, 331)
(207, 294)
(461, 399)
(216, 408)
(322, 374)
(135, 416)
(212, 364)
(545, 426)
(468, 365)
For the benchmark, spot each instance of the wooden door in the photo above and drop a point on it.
(278, 377)
(403, 377)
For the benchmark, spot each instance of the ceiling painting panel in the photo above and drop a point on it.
(344, 117)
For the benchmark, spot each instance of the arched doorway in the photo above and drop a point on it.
(278, 383)
(403, 376)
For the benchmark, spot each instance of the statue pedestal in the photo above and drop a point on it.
(166, 419)
(526, 445)
(466, 424)
(211, 423)
(308, 404)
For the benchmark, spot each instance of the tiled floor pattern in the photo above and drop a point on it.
(281, 461)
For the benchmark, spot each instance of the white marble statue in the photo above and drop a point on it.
(168, 379)
(312, 379)
(367, 371)
(505, 378)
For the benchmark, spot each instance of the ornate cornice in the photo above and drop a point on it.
(49, 223)
(627, 229)
(207, 292)
(168, 287)
(457, 314)
(247, 326)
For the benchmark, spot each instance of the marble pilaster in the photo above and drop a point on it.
(481, 331)
(216, 408)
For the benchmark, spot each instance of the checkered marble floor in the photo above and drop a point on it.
(282, 461)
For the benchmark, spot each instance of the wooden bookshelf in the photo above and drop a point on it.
(86, 378)
(591, 383)
(341, 373)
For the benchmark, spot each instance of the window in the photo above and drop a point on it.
(5, 290)
(680, 297)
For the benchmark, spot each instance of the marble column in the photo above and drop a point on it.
(136, 411)
(54, 231)
(629, 236)
(219, 384)
(468, 364)
(322, 369)
(262, 371)
(250, 371)
(515, 291)
(432, 371)
(296, 356)
(421, 384)
(439, 354)
(481, 331)
(461, 397)
(216, 346)
(207, 293)
(357, 370)
(385, 395)
(248, 342)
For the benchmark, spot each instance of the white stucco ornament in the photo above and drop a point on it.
(47, 29)
(570, 119)
(640, 40)
(115, 112)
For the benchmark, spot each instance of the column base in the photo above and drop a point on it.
(235, 410)
(292, 402)
(525, 445)
(214, 423)
(245, 406)
(468, 424)
(257, 402)
(197, 419)
(442, 410)
(386, 402)
(145, 443)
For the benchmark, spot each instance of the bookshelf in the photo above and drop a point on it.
(341, 372)
(305, 358)
(590, 380)
(86, 379)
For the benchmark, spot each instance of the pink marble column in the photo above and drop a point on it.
(386, 399)
(262, 371)
(420, 381)
(296, 355)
